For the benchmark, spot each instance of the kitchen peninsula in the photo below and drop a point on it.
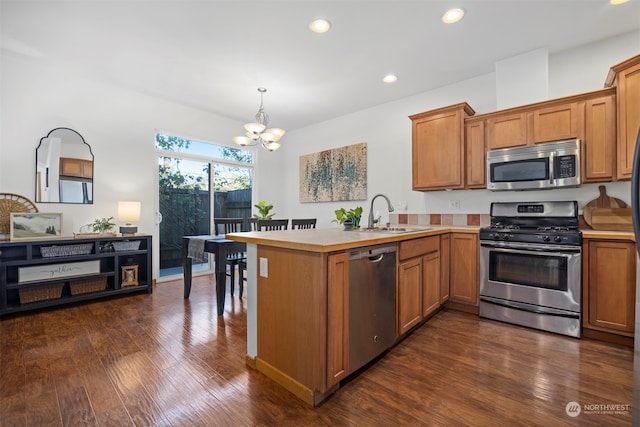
(298, 297)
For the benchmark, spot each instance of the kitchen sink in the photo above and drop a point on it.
(393, 230)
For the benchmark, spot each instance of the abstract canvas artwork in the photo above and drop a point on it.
(334, 175)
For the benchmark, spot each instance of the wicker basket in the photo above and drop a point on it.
(126, 245)
(66, 250)
(86, 286)
(40, 293)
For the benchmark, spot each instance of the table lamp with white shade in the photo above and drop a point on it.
(128, 212)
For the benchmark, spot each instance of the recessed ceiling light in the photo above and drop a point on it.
(615, 2)
(390, 78)
(320, 26)
(452, 15)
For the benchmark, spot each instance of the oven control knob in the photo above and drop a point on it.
(558, 239)
(546, 239)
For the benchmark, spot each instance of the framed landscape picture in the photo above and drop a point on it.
(35, 226)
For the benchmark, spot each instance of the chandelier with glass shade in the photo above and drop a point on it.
(258, 133)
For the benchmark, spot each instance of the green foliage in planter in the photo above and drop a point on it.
(102, 225)
(352, 215)
(264, 210)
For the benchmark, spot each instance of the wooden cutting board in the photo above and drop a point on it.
(603, 201)
(615, 219)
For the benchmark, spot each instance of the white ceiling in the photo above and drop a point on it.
(214, 54)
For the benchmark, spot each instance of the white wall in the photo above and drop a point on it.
(387, 131)
(118, 124)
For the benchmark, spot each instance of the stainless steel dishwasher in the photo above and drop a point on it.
(372, 303)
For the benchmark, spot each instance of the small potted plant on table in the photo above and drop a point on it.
(102, 225)
(264, 210)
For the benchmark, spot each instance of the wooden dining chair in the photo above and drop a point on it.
(272, 224)
(303, 224)
(234, 259)
(253, 224)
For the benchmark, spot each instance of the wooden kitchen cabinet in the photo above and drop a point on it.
(608, 286)
(533, 124)
(475, 154)
(438, 153)
(444, 268)
(431, 282)
(419, 275)
(409, 295)
(599, 139)
(554, 123)
(506, 130)
(302, 320)
(463, 274)
(338, 319)
(78, 168)
(625, 76)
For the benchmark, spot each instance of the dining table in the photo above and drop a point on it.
(219, 247)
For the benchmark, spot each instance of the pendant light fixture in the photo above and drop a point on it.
(257, 132)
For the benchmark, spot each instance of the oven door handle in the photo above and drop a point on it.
(530, 308)
(524, 248)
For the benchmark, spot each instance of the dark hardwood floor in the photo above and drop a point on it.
(160, 360)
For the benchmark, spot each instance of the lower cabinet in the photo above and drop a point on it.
(609, 286)
(409, 294)
(419, 281)
(445, 248)
(430, 282)
(464, 271)
(337, 319)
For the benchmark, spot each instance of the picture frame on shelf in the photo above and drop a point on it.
(35, 226)
(129, 275)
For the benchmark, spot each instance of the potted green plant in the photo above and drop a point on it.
(264, 210)
(102, 225)
(350, 219)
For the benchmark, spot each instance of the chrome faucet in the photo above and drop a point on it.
(370, 224)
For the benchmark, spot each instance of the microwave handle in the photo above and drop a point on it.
(551, 168)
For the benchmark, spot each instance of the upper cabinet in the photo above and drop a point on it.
(475, 162)
(554, 123)
(449, 145)
(438, 148)
(506, 130)
(532, 125)
(599, 139)
(78, 168)
(625, 76)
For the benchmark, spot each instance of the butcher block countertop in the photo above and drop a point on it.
(608, 235)
(336, 239)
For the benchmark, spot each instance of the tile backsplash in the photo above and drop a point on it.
(459, 220)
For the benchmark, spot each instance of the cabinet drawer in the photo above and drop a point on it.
(417, 247)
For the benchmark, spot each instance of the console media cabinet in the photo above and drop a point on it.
(45, 273)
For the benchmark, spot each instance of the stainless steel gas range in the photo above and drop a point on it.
(530, 266)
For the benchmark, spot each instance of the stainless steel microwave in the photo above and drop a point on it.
(534, 167)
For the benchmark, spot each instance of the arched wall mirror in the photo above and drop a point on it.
(64, 168)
